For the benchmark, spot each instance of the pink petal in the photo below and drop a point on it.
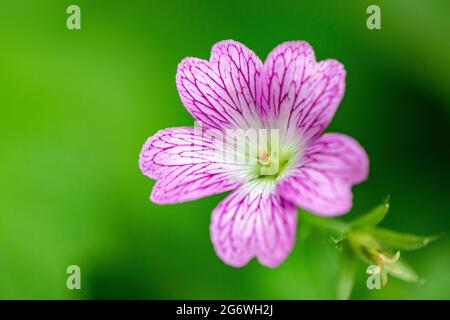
(182, 161)
(297, 91)
(322, 183)
(253, 223)
(221, 93)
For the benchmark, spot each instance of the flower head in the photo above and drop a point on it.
(260, 135)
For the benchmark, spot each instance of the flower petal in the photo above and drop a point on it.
(221, 93)
(251, 223)
(183, 161)
(297, 91)
(330, 166)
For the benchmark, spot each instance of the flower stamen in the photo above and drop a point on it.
(264, 158)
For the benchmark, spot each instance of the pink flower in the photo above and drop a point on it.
(291, 95)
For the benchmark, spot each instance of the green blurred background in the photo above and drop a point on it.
(76, 107)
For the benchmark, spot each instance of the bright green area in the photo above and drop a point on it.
(76, 107)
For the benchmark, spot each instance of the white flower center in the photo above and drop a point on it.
(261, 155)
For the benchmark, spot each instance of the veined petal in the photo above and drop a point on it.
(221, 93)
(322, 182)
(253, 221)
(297, 91)
(183, 162)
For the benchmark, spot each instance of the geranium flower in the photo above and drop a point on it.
(290, 96)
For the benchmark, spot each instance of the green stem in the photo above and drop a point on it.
(330, 224)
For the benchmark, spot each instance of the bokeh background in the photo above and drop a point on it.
(76, 107)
